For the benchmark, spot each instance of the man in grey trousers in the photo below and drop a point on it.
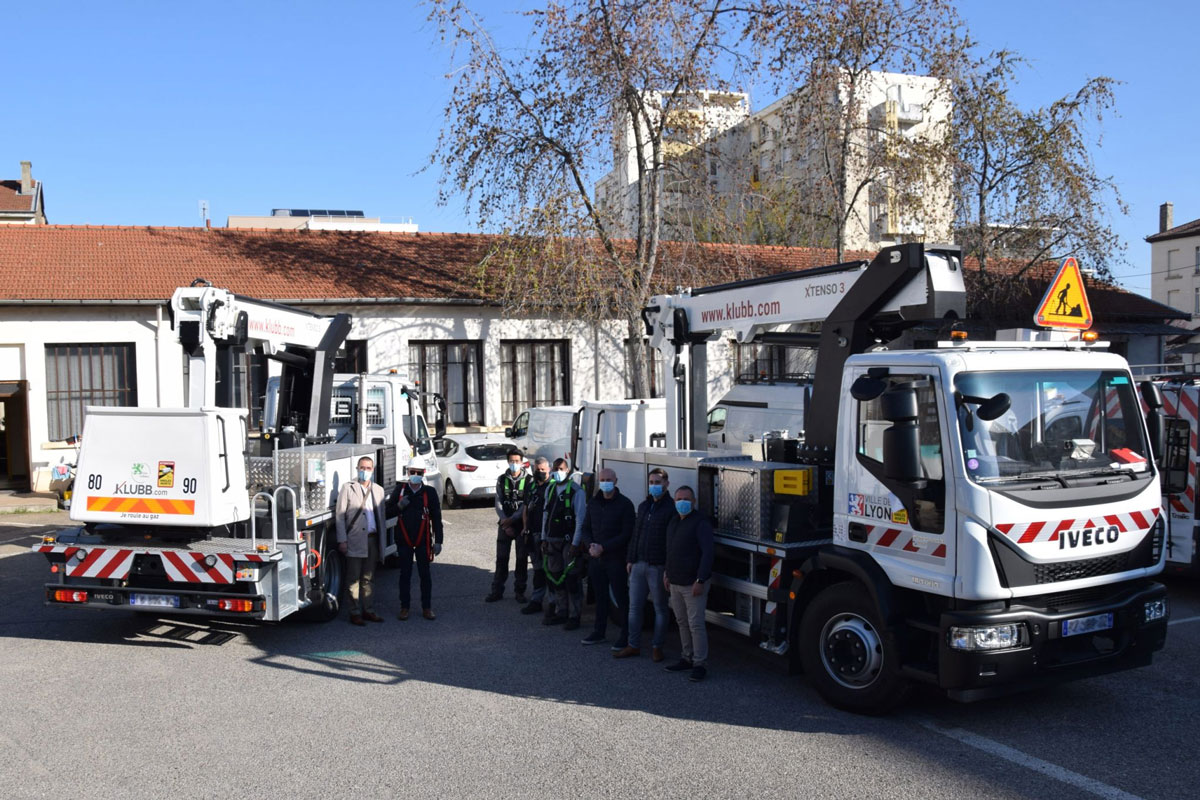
(688, 571)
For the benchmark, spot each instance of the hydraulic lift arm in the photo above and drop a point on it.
(856, 304)
(214, 324)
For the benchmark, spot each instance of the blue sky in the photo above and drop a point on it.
(133, 112)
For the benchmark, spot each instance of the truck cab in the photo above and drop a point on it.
(374, 409)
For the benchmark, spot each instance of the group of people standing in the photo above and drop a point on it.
(363, 506)
(662, 549)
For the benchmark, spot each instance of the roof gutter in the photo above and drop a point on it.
(315, 301)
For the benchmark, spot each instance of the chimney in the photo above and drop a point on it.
(1166, 217)
(26, 177)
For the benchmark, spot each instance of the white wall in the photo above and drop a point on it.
(596, 353)
(1175, 283)
(25, 332)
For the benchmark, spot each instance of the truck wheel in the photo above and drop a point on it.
(451, 499)
(849, 657)
(330, 579)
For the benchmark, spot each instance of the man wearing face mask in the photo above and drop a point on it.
(418, 534)
(562, 532)
(510, 507)
(359, 519)
(688, 571)
(531, 516)
(647, 555)
(607, 527)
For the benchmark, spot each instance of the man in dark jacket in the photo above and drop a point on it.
(607, 527)
(689, 569)
(418, 534)
(531, 509)
(645, 562)
(511, 489)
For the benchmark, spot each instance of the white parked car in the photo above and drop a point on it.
(470, 466)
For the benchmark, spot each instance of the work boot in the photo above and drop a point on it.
(627, 652)
(371, 616)
(698, 674)
(656, 654)
(355, 619)
(521, 598)
(682, 665)
(533, 608)
(554, 620)
(494, 596)
(572, 624)
(428, 614)
(403, 615)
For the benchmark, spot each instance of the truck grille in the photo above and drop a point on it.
(1063, 600)
(1084, 568)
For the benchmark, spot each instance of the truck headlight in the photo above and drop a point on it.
(1155, 609)
(990, 637)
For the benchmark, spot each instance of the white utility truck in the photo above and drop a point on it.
(179, 514)
(1181, 405)
(579, 433)
(927, 521)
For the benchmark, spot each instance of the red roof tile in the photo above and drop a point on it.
(11, 198)
(106, 264)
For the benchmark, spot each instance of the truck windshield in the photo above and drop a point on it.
(1059, 425)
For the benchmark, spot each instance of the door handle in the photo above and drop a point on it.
(858, 532)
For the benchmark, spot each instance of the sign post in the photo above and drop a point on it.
(1065, 305)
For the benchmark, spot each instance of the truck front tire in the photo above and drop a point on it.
(850, 658)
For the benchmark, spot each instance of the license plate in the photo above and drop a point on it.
(1096, 622)
(156, 600)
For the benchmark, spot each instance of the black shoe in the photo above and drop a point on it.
(572, 624)
(554, 621)
(594, 638)
(698, 674)
(619, 645)
(682, 665)
(521, 598)
(494, 596)
(533, 608)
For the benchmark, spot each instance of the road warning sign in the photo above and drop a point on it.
(1065, 304)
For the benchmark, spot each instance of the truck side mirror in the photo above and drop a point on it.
(1155, 421)
(866, 388)
(508, 432)
(994, 407)
(439, 426)
(1174, 465)
(902, 440)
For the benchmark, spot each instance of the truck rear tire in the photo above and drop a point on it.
(329, 580)
(850, 658)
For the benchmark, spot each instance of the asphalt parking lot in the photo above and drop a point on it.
(484, 702)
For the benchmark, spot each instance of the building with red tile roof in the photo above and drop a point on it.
(83, 318)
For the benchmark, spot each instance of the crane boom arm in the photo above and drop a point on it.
(852, 302)
(213, 323)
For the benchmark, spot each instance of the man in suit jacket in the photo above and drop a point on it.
(360, 522)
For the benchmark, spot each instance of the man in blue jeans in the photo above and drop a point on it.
(645, 563)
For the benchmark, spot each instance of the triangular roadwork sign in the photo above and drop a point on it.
(1065, 304)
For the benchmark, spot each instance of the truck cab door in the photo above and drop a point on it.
(893, 488)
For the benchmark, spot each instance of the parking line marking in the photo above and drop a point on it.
(1185, 619)
(1034, 763)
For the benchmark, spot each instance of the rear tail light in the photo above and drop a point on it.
(466, 467)
(69, 596)
(235, 605)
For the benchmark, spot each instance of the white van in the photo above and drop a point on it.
(547, 431)
(750, 410)
(577, 433)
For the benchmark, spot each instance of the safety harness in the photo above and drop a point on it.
(509, 501)
(565, 498)
(423, 531)
(550, 575)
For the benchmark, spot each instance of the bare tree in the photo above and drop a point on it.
(525, 134)
(837, 148)
(1027, 188)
